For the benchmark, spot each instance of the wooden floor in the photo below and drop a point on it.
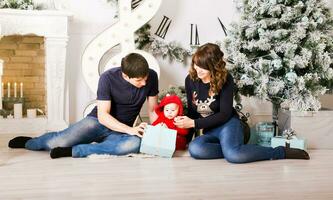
(33, 175)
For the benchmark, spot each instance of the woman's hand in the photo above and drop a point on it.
(183, 122)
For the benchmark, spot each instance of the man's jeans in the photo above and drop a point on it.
(226, 141)
(80, 136)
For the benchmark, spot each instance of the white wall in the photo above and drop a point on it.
(93, 16)
(90, 17)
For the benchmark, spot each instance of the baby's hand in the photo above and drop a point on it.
(163, 124)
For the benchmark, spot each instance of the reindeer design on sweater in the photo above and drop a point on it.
(203, 106)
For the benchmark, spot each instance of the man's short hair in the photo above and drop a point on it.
(134, 66)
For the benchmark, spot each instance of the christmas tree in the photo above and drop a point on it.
(19, 4)
(282, 51)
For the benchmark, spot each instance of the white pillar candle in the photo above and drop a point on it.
(17, 110)
(8, 89)
(15, 89)
(31, 113)
(21, 90)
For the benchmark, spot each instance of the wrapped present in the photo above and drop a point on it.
(264, 133)
(159, 140)
(289, 139)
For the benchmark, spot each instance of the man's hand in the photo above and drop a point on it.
(184, 122)
(137, 130)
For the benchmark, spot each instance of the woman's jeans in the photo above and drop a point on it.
(227, 141)
(80, 136)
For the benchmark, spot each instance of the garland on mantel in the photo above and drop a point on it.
(19, 4)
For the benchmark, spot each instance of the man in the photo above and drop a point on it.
(120, 96)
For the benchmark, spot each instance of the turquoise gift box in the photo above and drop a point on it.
(294, 142)
(158, 140)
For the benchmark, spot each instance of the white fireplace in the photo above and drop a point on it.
(53, 26)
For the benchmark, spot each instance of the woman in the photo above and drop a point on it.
(210, 89)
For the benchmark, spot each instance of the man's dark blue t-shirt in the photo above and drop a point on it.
(126, 99)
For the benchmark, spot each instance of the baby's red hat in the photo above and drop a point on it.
(170, 99)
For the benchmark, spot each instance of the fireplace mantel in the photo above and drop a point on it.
(53, 26)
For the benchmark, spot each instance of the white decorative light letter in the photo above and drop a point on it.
(122, 32)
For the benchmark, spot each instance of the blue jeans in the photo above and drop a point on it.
(226, 141)
(80, 136)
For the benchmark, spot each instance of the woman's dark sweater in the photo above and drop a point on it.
(209, 111)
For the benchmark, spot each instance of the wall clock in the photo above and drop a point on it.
(193, 22)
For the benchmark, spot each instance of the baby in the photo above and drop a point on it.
(170, 107)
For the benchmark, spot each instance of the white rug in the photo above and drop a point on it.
(107, 156)
(139, 155)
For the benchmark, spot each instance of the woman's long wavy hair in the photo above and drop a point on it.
(210, 57)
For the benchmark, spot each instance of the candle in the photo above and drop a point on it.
(31, 113)
(21, 90)
(8, 89)
(15, 89)
(17, 110)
